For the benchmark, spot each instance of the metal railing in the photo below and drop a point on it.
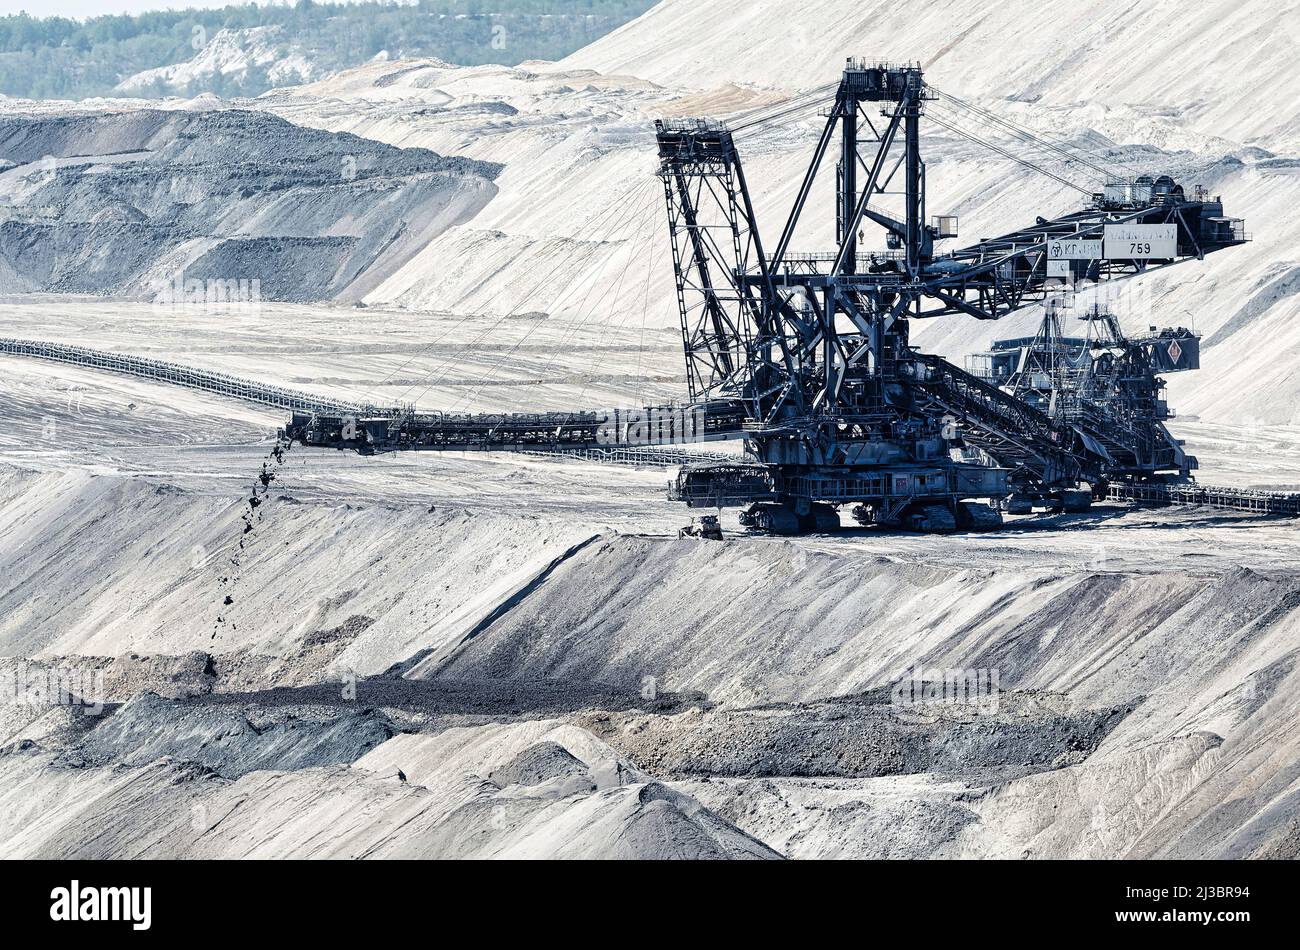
(644, 457)
(1229, 499)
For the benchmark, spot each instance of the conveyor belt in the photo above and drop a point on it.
(1230, 499)
(665, 429)
(176, 374)
(321, 421)
(1012, 433)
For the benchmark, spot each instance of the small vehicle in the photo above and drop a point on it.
(707, 528)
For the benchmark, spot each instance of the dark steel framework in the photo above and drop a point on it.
(815, 346)
(807, 357)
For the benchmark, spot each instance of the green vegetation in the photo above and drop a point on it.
(53, 57)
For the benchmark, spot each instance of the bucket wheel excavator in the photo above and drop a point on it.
(840, 409)
(807, 358)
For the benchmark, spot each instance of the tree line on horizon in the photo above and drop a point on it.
(62, 58)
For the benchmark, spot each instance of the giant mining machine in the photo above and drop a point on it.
(807, 358)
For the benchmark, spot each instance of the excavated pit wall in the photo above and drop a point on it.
(472, 593)
(1127, 685)
(179, 207)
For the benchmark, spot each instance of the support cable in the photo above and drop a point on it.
(640, 230)
(1006, 154)
(627, 209)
